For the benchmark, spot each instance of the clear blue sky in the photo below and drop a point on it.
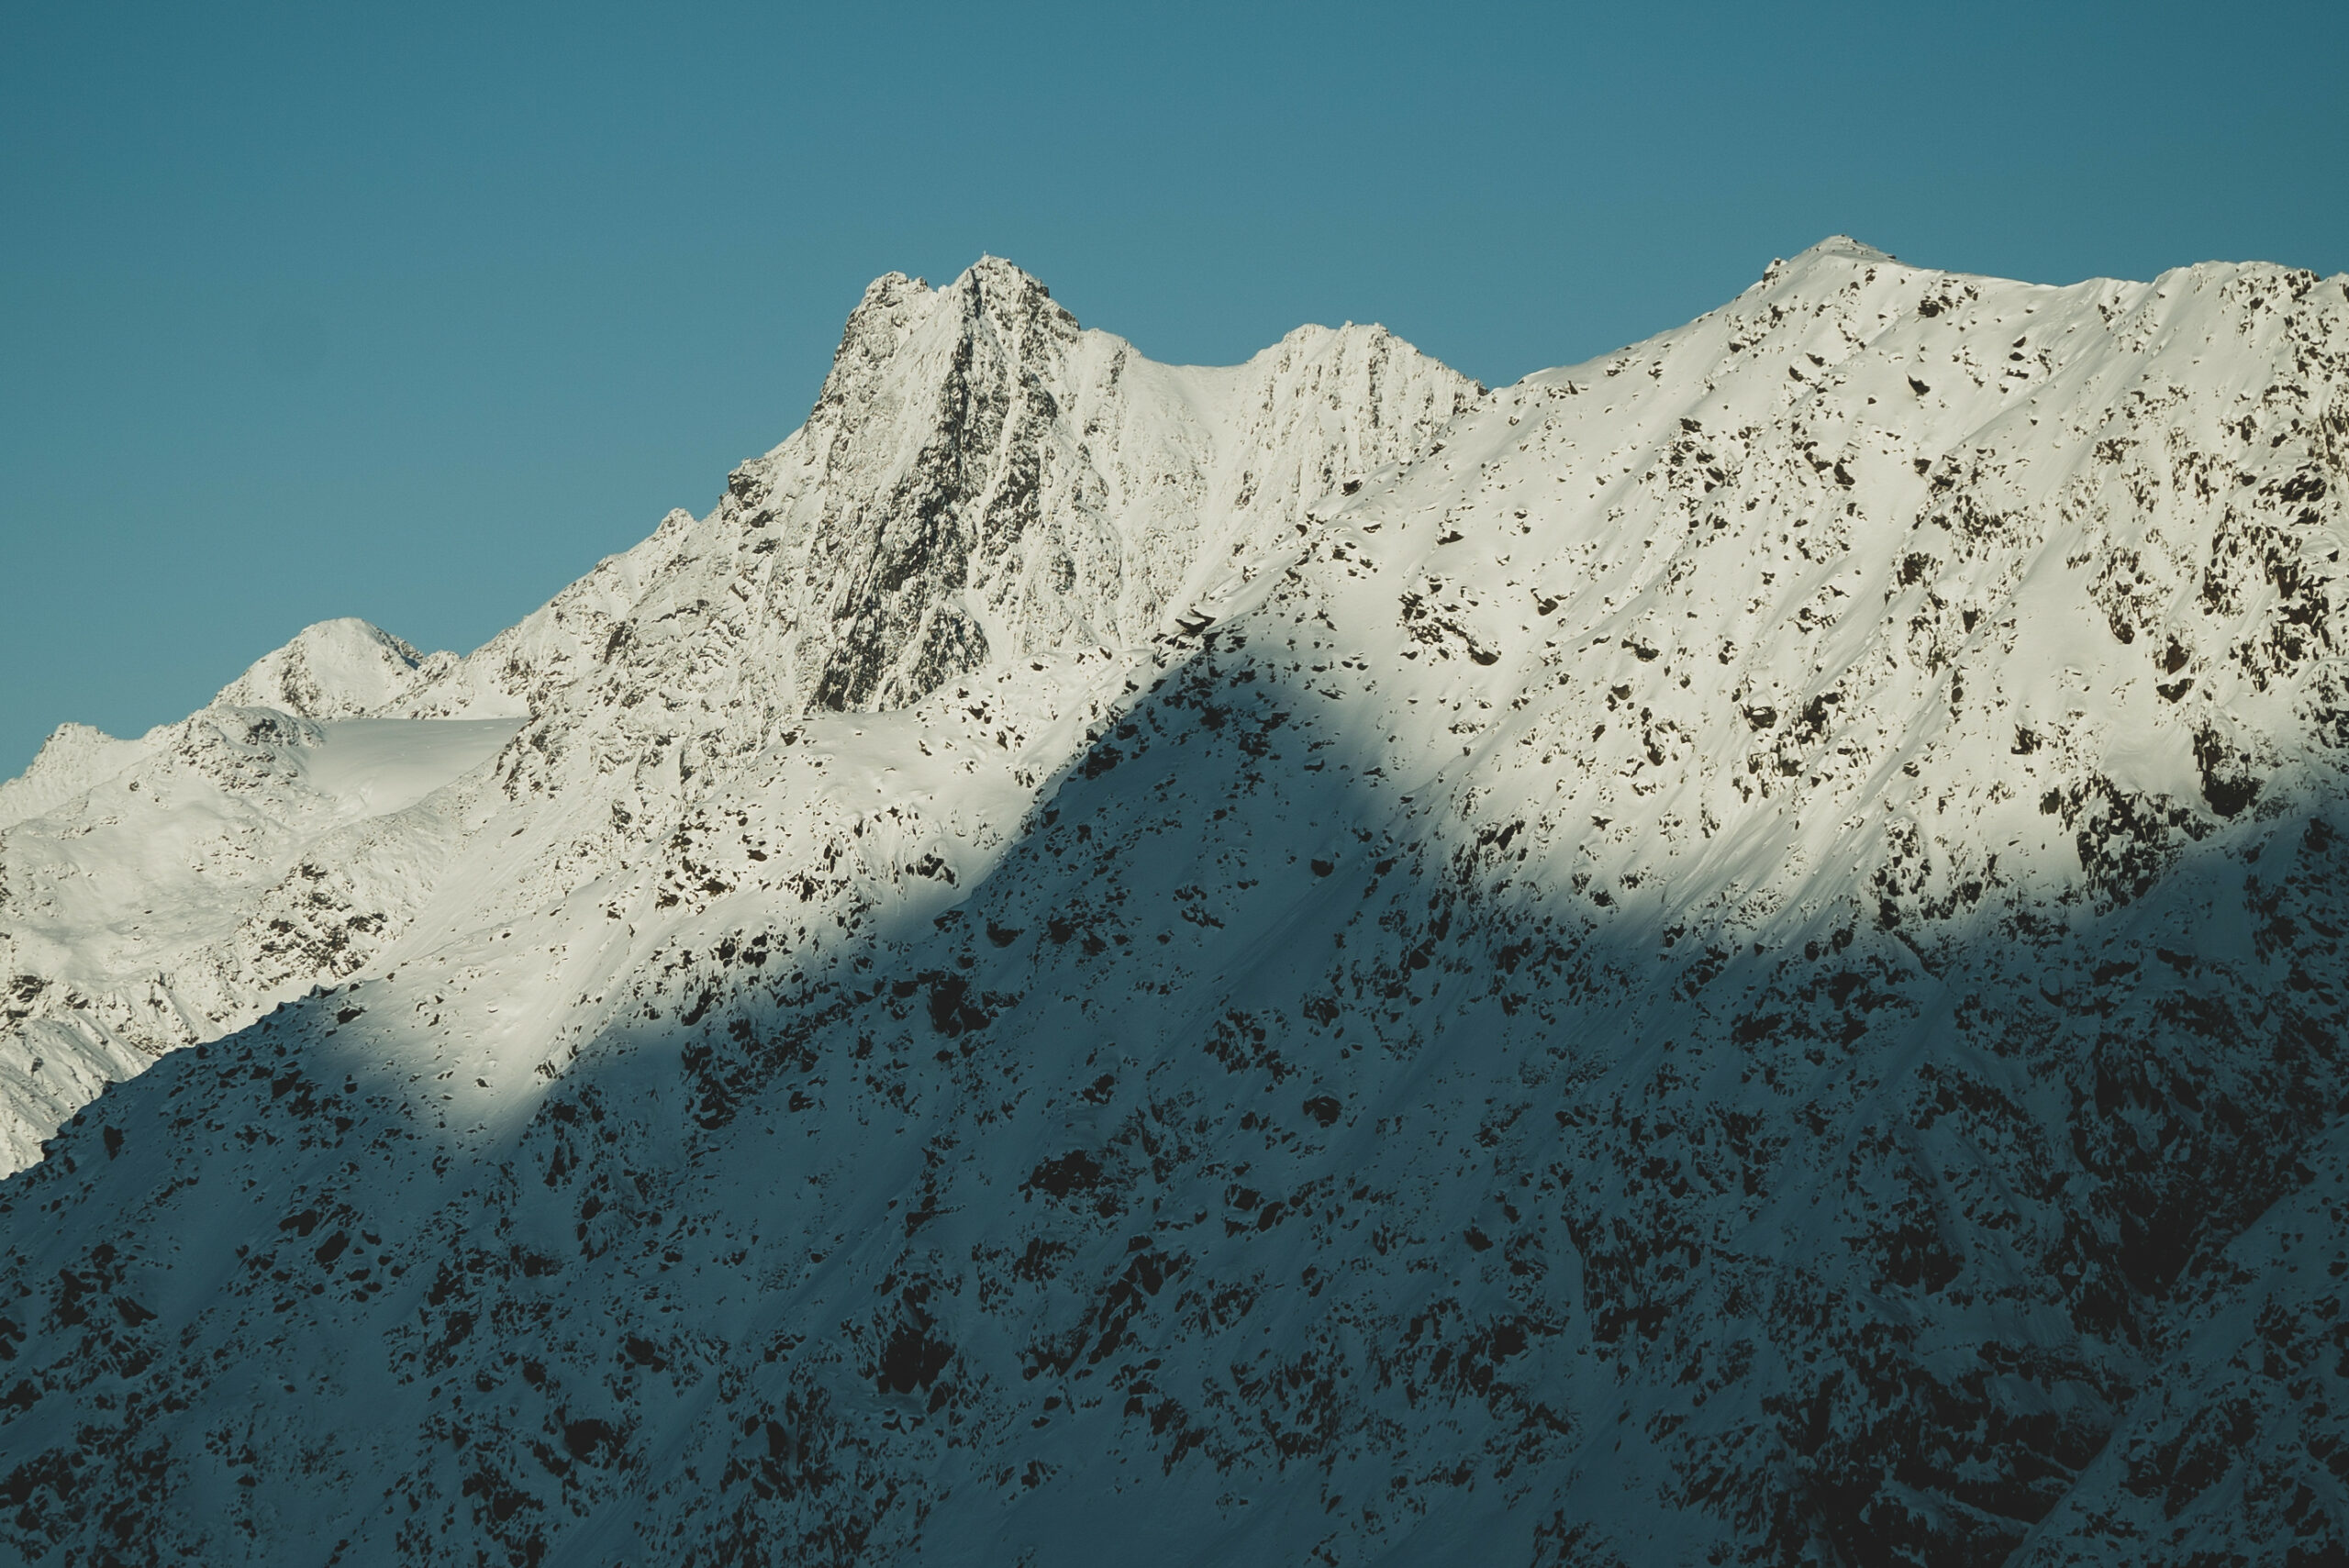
(413, 312)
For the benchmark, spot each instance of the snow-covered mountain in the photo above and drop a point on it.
(1729, 955)
(337, 668)
(980, 480)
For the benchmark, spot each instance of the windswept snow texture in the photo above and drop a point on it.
(201, 875)
(1727, 955)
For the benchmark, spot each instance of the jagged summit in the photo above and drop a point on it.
(980, 479)
(1729, 955)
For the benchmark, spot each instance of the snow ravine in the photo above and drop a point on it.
(1731, 954)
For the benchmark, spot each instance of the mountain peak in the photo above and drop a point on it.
(331, 669)
(73, 758)
(1011, 298)
(996, 478)
(1830, 256)
(995, 271)
(1844, 247)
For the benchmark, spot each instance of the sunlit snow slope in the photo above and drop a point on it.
(1726, 955)
(158, 892)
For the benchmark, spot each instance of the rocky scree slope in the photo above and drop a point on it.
(1733, 956)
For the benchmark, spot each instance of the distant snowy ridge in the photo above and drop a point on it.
(74, 759)
(336, 669)
(214, 868)
(1729, 955)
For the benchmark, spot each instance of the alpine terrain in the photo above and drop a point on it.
(1729, 955)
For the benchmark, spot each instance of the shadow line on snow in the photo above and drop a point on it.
(1410, 1205)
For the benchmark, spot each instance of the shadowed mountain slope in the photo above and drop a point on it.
(1731, 954)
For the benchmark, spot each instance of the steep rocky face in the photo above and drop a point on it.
(1734, 959)
(980, 479)
(903, 533)
(1044, 488)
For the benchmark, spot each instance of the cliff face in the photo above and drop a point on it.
(1729, 955)
(979, 475)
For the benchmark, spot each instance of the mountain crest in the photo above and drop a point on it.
(1845, 248)
(995, 479)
